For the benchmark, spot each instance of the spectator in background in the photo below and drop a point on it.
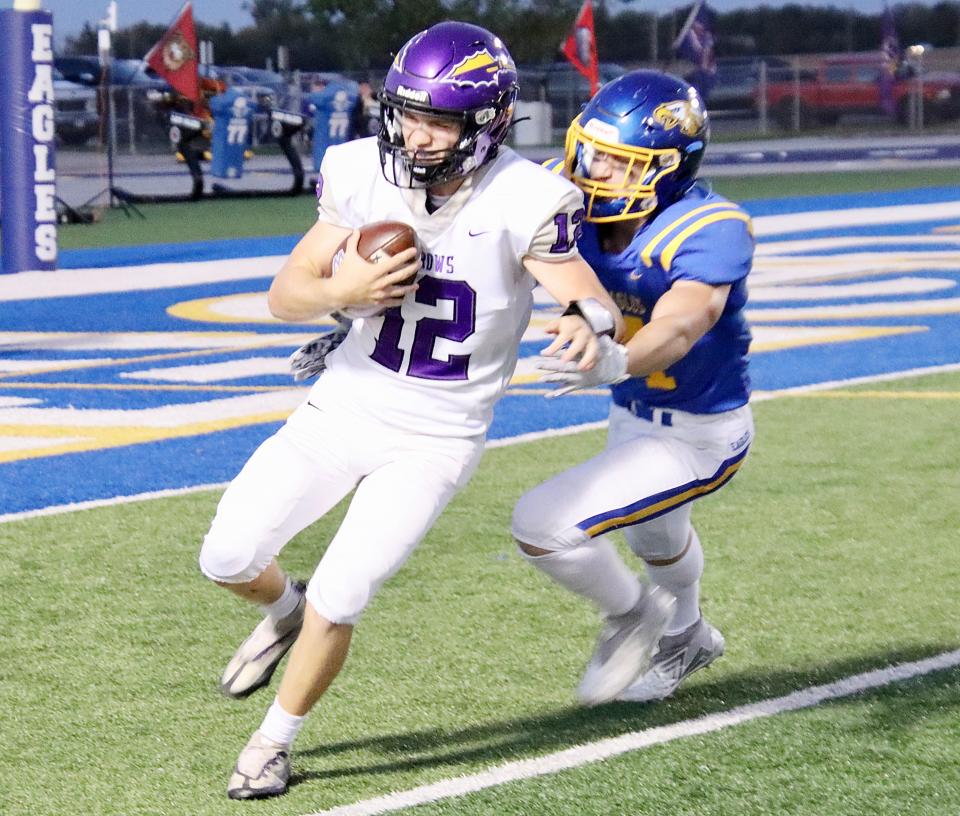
(366, 113)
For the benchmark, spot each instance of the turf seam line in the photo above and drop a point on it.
(637, 740)
(758, 396)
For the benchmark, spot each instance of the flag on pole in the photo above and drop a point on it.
(890, 49)
(580, 47)
(696, 43)
(175, 56)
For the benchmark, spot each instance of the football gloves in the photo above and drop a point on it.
(611, 368)
(310, 360)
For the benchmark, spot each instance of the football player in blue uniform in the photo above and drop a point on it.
(675, 257)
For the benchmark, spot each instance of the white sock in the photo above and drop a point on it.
(285, 604)
(682, 580)
(594, 570)
(280, 727)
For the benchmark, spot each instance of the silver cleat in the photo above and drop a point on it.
(262, 770)
(254, 663)
(679, 656)
(626, 647)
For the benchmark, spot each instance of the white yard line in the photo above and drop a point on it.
(57, 509)
(638, 740)
(759, 396)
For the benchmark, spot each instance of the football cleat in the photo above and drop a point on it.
(262, 770)
(626, 647)
(254, 663)
(679, 656)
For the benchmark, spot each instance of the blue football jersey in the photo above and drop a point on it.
(702, 237)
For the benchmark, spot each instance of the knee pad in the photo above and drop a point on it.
(340, 598)
(683, 569)
(661, 539)
(535, 523)
(232, 559)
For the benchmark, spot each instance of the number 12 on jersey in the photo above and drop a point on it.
(422, 363)
(569, 229)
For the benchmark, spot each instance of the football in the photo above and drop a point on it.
(380, 240)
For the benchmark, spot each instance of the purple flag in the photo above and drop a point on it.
(695, 43)
(891, 56)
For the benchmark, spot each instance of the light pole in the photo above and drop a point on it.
(915, 54)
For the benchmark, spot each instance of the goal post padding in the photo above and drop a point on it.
(27, 131)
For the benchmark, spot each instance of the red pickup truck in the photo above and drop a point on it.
(851, 84)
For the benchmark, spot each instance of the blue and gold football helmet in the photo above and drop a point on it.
(651, 125)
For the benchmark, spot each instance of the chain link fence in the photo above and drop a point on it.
(753, 97)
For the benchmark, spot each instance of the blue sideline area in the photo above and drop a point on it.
(177, 253)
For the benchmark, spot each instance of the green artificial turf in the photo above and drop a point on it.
(833, 551)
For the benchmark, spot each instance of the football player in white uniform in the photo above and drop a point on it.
(402, 409)
(675, 257)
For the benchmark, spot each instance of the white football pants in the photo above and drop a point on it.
(643, 482)
(403, 481)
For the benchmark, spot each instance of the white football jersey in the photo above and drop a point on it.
(437, 363)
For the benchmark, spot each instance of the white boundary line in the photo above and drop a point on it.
(58, 509)
(759, 396)
(638, 740)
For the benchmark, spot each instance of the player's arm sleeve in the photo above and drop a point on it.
(719, 253)
(556, 238)
(328, 209)
(554, 165)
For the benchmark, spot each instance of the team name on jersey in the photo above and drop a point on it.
(440, 264)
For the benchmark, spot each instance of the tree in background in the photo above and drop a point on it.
(365, 34)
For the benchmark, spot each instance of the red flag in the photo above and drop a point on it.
(175, 56)
(581, 46)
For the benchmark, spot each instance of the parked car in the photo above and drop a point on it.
(735, 84)
(563, 86)
(134, 88)
(74, 111)
(236, 78)
(87, 71)
(260, 77)
(851, 84)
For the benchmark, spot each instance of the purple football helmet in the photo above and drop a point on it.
(454, 71)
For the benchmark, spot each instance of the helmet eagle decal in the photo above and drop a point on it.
(475, 71)
(679, 113)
